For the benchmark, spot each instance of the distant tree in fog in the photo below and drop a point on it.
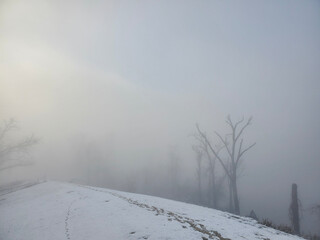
(174, 171)
(231, 202)
(90, 161)
(215, 184)
(11, 151)
(233, 145)
(315, 210)
(199, 171)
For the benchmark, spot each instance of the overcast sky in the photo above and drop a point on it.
(142, 73)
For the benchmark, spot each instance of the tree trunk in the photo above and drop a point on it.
(235, 196)
(231, 208)
(214, 192)
(212, 185)
(210, 194)
(295, 210)
(199, 188)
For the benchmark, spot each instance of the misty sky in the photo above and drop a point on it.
(140, 74)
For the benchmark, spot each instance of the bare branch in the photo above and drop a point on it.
(7, 126)
(245, 150)
(19, 147)
(237, 123)
(20, 164)
(10, 152)
(212, 150)
(224, 143)
(229, 122)
(243, 128)
(197, 150)
(202, 144)
(239, 152)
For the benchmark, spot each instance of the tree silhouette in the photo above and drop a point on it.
(11, 151)
(235, 152)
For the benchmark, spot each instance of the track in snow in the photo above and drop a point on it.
(185, 221)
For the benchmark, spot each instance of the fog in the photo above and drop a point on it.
(114, 89)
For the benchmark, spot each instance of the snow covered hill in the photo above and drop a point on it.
(60, 211)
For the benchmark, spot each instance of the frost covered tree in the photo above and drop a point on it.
(12, 151)
(233, 144)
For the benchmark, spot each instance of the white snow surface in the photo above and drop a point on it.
(62, 211)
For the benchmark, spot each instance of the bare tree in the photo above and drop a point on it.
(215, 184)
(231, 202)
(11, 152)
(316, 211)
(199, 170)
(235, 152)
(174, 171)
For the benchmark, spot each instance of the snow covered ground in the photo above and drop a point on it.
(60, 211)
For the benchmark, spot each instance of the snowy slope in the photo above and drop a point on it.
(60, 211)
